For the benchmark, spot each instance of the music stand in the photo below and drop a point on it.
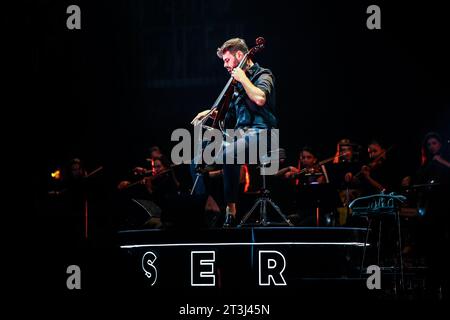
(264, 197)
(318, 200)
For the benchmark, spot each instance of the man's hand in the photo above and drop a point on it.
(123, 185)
(292, 171)
(238, 74)
(348, 177)
(406, 181)
(147, 181)
(365, 170)
(199, 117)
(254, 93)
(139, 171)
(441, 160)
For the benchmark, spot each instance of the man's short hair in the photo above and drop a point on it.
(232, 45)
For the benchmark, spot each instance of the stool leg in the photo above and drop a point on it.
(400, 250)
(365, 246)
(379, 242)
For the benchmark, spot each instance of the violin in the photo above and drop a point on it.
(149, 178)
(375, 163)
(317, 169)
(314, 170)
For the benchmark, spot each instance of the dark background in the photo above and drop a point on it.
(139, 69)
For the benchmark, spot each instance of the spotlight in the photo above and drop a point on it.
(56, 174)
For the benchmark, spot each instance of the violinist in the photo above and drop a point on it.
(379, 175)
(251, 107)
(309, 170)
(435, 163)
(163, 180)
(158, 181)
(154, 189)
(346, 161)
(432, 184)
(314, 200)
(345, 164)
(155, 152)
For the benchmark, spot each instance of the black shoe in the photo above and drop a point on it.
(230, 221)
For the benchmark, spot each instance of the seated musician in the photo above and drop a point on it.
(310, 198)
(158, 185)
(251, 109)
(346, 163)
(155, 152)
(163, 181)
(379, 175)
(431, 187)
(309, 171)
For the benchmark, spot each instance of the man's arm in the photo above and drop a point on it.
(365, 170)
(440, 159)
(253, 92)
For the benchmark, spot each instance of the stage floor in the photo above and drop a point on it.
(244, 258)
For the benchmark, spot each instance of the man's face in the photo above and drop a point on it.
(230, 60)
